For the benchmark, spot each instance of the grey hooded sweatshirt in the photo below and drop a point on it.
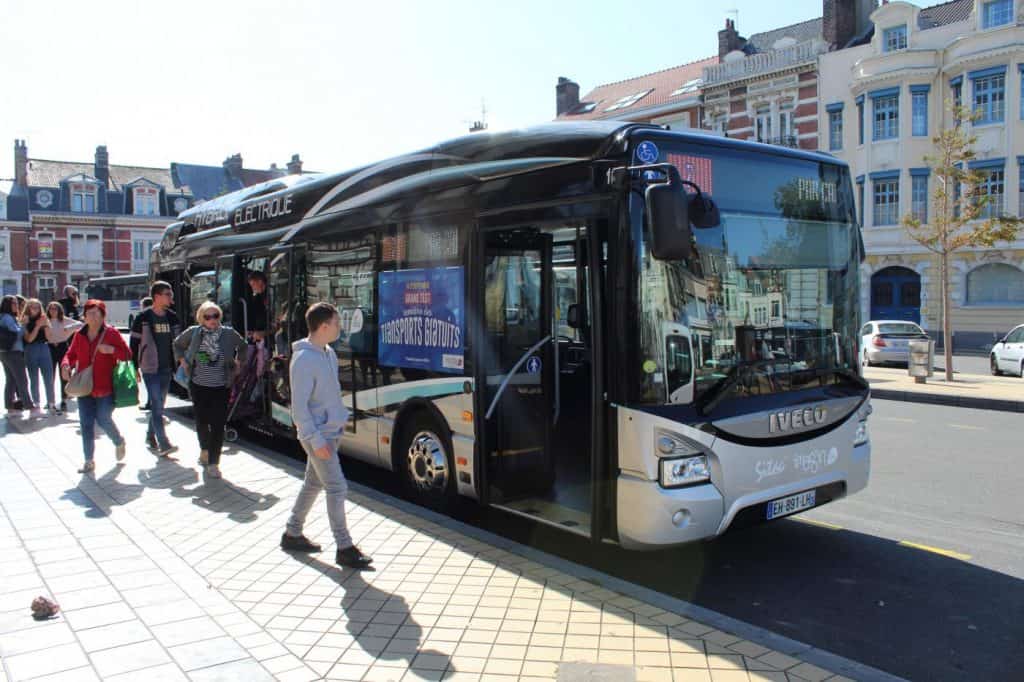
(317, 410)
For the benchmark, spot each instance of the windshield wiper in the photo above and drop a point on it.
(710, 400)
(717, 393)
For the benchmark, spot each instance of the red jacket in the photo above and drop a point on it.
(80, 353)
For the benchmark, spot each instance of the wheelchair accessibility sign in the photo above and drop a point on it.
(533, 365)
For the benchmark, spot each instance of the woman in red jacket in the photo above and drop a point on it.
(102, 347)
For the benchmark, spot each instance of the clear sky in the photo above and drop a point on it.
(341, 83)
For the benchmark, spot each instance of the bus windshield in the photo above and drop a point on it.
(769, 297)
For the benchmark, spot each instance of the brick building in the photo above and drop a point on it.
(68, 221)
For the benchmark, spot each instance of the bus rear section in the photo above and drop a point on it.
(744, 401)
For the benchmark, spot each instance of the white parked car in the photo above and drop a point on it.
(887, 341)
(1008, 355)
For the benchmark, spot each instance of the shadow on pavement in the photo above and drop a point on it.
(224, 497)
(380, 622)
(903, 610)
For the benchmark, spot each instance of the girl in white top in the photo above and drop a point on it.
(58, 335)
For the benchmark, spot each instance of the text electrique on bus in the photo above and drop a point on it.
(264, 210)
(428, 332)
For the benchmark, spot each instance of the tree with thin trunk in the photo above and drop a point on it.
(962, 214)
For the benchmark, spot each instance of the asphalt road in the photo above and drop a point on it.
(838, 578)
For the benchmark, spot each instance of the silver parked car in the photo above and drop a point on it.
(1008, 354)
(887, 341)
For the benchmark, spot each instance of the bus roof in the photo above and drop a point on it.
(287, 202)
(134, 278)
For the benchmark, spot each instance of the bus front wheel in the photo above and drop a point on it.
(425, 462)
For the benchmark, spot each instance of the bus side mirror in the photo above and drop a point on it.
(668, 217)
(576, 316)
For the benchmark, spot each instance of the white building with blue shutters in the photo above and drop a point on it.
(882, 100)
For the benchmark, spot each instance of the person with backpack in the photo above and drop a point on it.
(152, 344)
(211, 354)
(12, 355)
(37, 355)
(58, 335)
(100, 347)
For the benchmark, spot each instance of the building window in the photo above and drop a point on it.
(5, 249)
(919, 113)
(10, 287)
(995, 284)
(46, 289)
(894, 38)
(763, 124)
(956, 87)
(835, 130)
(787, 132)
(887, 117)
(1020, 190)
(145, 201)
(919, 197)
(860, 121)
(84, 251)
(83, 198)
(887, 201)
(990, 98)
(860, 200)
(992, 186)
(141, 250)
(3, 207)
(996, 13)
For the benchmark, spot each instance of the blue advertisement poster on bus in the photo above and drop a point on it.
(421, 319)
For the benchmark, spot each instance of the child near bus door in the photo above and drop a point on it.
(211, 354)
(58, 334)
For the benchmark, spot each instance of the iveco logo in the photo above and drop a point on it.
(805, 418)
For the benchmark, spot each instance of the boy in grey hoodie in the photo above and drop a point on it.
(320, 416)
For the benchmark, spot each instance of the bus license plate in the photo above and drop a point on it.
(790, 505)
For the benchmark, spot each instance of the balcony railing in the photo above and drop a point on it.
(764, 62)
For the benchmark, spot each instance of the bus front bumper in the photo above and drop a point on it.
(651, 517)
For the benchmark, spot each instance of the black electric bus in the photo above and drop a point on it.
(632, 334)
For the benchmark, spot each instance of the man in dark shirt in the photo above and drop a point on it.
(153, 333)
(70, 302)
(256, 303)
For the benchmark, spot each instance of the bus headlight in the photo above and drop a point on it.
(684, 471)
(861, 437)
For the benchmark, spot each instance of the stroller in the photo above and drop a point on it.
(246, 399)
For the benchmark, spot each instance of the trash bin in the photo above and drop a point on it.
(921, 360)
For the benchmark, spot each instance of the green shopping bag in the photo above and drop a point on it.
(126, 388)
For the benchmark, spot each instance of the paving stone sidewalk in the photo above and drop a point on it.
(966, 390)
(165, 575)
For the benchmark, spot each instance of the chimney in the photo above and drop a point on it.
(567, 95)
(233, 166)
(101, 167)
(729, 39)
(843, 20)
(20, 163)
(295, 165)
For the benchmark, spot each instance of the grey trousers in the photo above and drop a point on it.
(15, 378)
(326, 475)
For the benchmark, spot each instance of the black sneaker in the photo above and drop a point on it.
(151, 443)
(144, 408)
(298, 543)
(352, 557)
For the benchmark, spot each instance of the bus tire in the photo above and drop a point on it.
(230, 434)
(425, 462)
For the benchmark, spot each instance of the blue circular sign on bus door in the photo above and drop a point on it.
(647, 152)
(533, 365)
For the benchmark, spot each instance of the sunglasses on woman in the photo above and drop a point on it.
(211, 316)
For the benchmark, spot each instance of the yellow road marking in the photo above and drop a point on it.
(823, 524)
(965, 426)
(937, 550)
(898, 419)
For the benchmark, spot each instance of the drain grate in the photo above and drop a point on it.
(595, 672)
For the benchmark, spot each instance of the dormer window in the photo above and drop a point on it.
(83, 198)
(145, 201)
(996, 13)
(628, 100)
(894, 38)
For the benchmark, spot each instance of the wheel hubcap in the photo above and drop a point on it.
(427, 463)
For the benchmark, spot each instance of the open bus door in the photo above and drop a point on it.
(515, 364)
(285, 289)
